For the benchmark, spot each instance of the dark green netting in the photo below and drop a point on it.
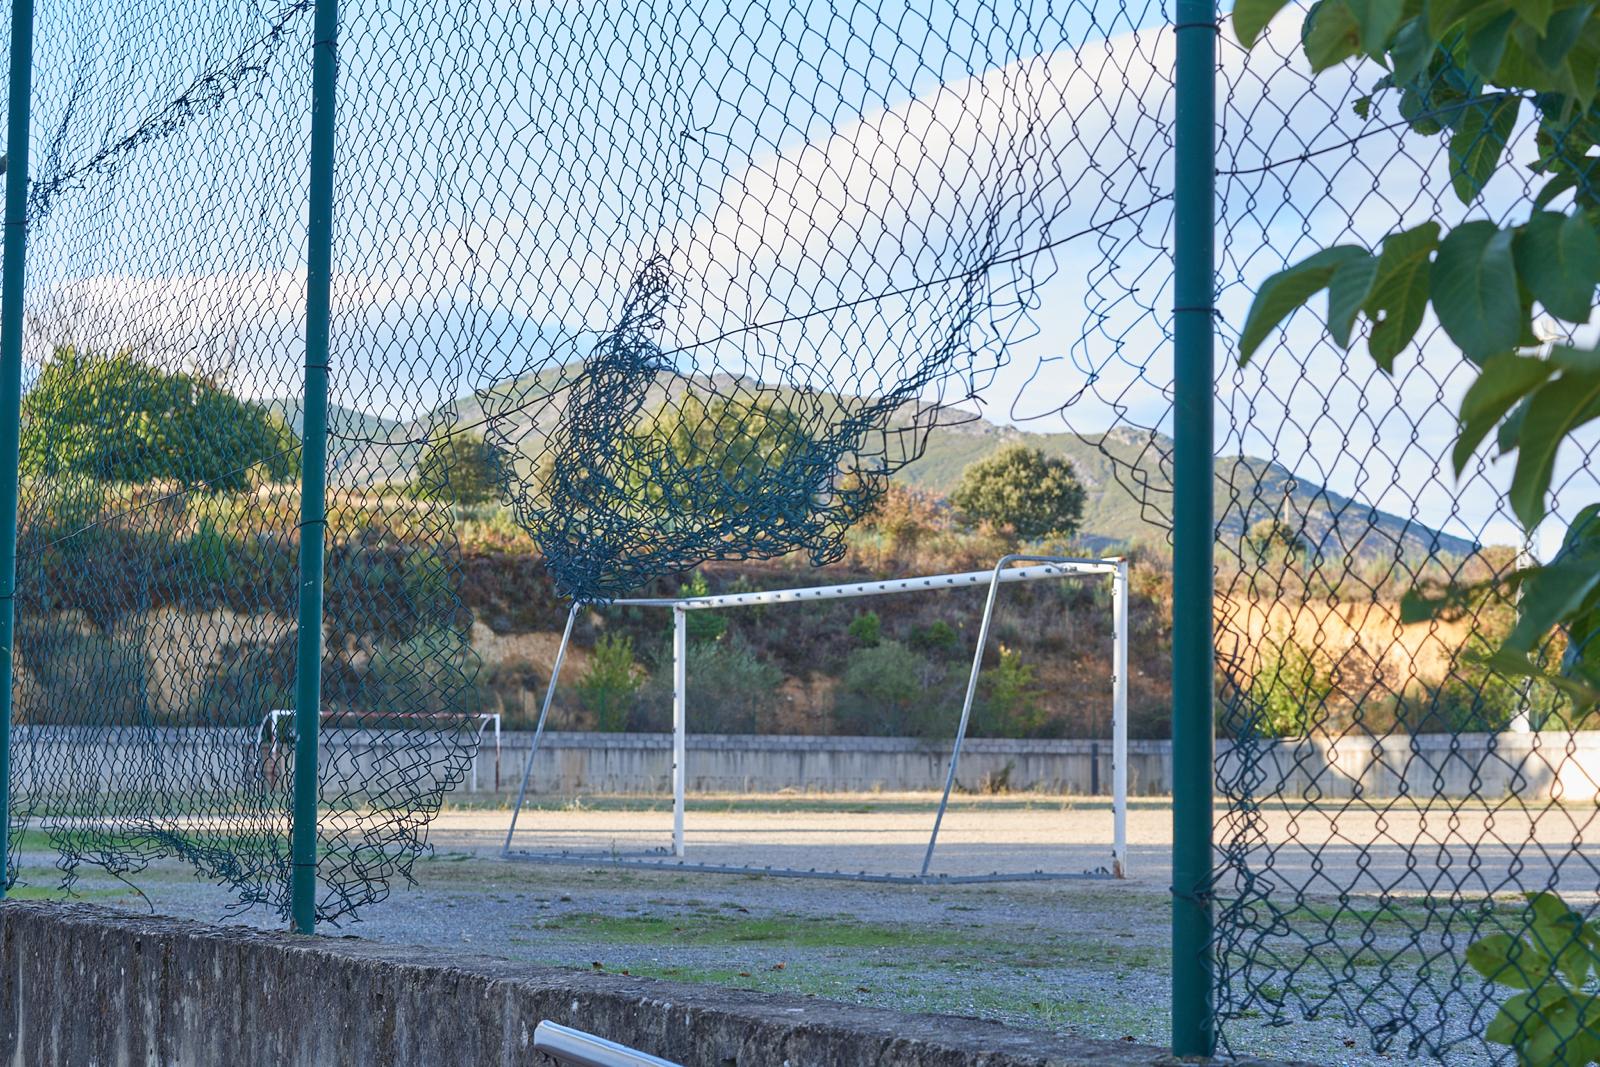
(159, 521)
(695, 281)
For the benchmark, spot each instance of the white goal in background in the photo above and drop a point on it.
(1037, 568)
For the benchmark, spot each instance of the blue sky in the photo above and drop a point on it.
(507, 167)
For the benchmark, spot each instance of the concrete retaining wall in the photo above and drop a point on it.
(1535, 766)
(642, 763)
(84, 986)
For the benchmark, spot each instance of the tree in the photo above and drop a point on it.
(697, 459)
(119, 418)
(1465, 71)
(716, 456)
(1038, 496)
(610, 681)
(1272, 537)
(461, 467)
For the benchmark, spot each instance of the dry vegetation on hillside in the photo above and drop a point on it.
(1303, 646)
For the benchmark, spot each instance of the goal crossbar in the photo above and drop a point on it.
(1003, 573)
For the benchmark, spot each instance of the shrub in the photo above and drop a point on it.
(729, 691)
(702, 626)
(866, 629)
(419, 673)
(607, 686)
(889, 690)
(900, 521)
(459, 467)
(83, 674)
(938, 637)
(1038, 496)
(1010, 704)
(1288, 693)
(210, 553)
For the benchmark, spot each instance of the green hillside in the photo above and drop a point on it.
(1121, 467)
(1126, 472)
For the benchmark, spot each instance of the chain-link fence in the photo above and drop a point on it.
(664, 283)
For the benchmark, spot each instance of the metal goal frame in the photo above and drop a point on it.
(1003, 573)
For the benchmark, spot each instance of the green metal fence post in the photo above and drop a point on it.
(1193, 732)
(11, 312)
(313, 469)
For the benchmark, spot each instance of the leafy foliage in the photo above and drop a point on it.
(1463, 70)
(1011, 705)
(702, 626)
(887, 691)
(694, 458)
(1289, 691)
(1038, 496)
(1271, 537)
(1548, 958)
(461, 467)
(938, 637)
(171, 426)
(609, 681)
(866, 629)
(729, 690)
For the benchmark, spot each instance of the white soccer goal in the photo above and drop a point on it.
(1037, 568)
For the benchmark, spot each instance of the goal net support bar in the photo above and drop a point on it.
(1003, 573)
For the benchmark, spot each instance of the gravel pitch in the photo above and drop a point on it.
(1075, 956)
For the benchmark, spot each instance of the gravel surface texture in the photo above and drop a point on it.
(1084, 957)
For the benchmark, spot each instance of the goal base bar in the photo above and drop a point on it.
(644, 862)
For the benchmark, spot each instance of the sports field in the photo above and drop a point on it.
(1393, 846)
(1077, 955)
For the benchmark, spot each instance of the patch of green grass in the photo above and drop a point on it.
(804, 980)
(1391, 915)
(702, 928)
(55, 892)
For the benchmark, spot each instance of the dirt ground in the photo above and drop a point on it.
(1079, 955)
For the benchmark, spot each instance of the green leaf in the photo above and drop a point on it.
(1474, 283)
(1505, 380)
(1250, 17)
(1555, 410)
(1347, 292)
(1331, 35)
(1551, 911)
(1479, 142)
(1509, 961)
(1561, 34)
(1488, 46)
(1535, 13)
(1287, 290)
(1410, 51)
(1454, 600)
(1551, 593)
(1443, 14)
(1554, 188)
(1398, 298)
(1521, 1017)
(1564, 1038)
(1511, 429)
(1575, 961)
(1558, 258)
(1514, 665)
(1377, 19)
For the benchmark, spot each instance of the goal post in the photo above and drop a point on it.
(1004, 572)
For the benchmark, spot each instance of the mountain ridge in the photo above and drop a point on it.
(369, 449)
